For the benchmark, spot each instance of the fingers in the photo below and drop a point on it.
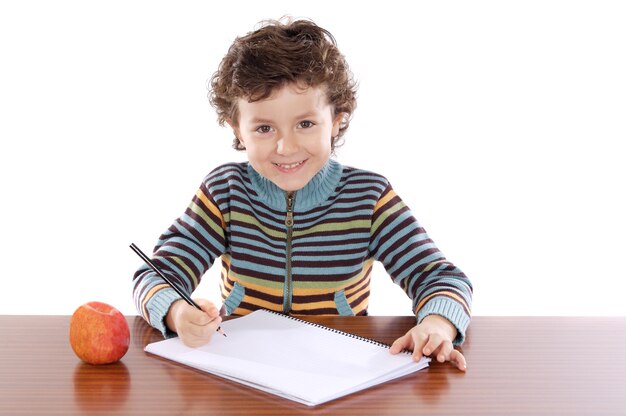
(410, 341)
(459, 359)
(432, 337)
(443, 354)
(194, 335)
(208, 307)
(402, 343)
(437, 343)
(421, 339)
(444, 351)
(196, 327)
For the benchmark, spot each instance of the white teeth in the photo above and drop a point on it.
(290, 166)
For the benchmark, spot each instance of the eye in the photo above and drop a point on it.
(306, 124)
(264, 129)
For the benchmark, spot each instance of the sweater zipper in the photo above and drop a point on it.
(289, 223)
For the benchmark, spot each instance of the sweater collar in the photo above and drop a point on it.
(319, 188)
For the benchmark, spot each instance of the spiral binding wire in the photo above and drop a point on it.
(336, 331)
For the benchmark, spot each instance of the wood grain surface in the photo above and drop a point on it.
(516, 366)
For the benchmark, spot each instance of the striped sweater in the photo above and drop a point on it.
(304, 253)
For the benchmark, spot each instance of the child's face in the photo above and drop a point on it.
(288, 135)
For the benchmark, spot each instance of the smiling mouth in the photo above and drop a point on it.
(288, 166)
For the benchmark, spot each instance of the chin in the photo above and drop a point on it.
(292, 184)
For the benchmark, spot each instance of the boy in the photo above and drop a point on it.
(296, 231)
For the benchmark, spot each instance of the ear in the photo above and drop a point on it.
(236, 131)
(337, 123)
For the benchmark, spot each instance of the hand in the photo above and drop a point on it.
(434, 335)
(194, 327)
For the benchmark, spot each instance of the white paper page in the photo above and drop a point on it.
(291, 357)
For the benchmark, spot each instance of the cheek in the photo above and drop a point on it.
(326, 147)
(323, 145)
(258, 150)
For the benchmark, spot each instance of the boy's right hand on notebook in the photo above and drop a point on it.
(194, 327)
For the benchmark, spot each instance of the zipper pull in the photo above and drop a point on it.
(289, 218)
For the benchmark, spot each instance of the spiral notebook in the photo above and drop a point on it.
(292, 358)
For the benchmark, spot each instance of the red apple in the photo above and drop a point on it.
(99, 333)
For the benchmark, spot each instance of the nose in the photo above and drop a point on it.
(287, 144)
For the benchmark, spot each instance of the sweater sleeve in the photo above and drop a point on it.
(184, 252)
(413, 261)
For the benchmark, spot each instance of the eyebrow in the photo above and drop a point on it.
(301, 116)
(260, 121)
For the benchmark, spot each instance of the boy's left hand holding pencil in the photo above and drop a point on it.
(433, 336)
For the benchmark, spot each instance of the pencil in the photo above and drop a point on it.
(168, 281)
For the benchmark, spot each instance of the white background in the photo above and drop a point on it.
(500, 123)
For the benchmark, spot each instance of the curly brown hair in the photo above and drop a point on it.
(278, 53)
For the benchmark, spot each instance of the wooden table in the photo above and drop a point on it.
(516, 366)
